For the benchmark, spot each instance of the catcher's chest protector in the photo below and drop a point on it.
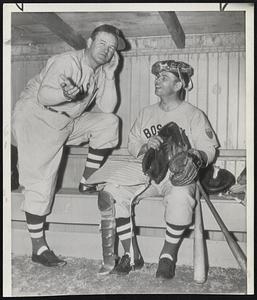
(156, 162)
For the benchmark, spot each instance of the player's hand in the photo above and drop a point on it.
(69, 88)
(154, 142)
(111, 66)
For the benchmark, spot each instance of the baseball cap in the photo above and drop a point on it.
(113, 30)
(179, 68)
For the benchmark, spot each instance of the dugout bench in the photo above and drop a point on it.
(73, 225)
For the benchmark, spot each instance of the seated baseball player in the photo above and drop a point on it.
(54, 110)
(175, 181)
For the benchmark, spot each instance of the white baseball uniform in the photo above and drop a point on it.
(41, 132)
(179, 201)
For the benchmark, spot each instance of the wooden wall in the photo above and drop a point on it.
(219, 80)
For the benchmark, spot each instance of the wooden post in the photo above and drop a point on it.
(172, 23)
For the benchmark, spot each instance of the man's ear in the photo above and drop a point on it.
(178, 85)
(89, 42)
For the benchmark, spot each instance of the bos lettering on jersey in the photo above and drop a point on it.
(151, 131)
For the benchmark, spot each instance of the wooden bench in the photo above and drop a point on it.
(73, 225)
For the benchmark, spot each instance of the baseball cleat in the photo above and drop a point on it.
(124, 266)
(87, 188)
(166, 268)
(48, 259)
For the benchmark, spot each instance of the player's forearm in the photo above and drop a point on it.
(50, 96)
(108, 99)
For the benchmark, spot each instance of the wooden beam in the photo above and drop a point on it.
(53, 22)
(171, 21)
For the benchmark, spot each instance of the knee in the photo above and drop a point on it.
(106, 205)
(111, 120)
(179, 209)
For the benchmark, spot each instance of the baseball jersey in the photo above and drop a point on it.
(73, 65)
(188, 117)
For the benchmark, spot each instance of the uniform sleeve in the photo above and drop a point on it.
(203, 136)
(50, 91)
(135, 140)
(106, 98)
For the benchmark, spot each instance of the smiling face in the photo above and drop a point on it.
(102, 47)
(166, 84)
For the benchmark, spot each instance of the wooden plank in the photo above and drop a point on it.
(212, 89)
(135, 89)
(240, 165)
(203, 81)
(75, 208)
(145, 70)
(241, 143)
(52, 21)
(232, 101)
(153, 98)
(192, 95)
(174, 27)
(124, 89)
(74, 244)
(226, 153)
(222, 98)
(67, 208)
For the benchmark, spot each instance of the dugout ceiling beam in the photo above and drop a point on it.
(176, 31)
(53, 22)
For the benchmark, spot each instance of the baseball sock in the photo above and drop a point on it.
(36, 229)
(123, 228)
(173, 237)
(95, 160)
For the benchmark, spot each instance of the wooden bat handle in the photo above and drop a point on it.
(236, 250)
(199, 250)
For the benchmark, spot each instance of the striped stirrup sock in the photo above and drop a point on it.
(36, 229)
(95, 160)
(173, 237)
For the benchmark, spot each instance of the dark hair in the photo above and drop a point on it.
(114, 31)
(182, 92)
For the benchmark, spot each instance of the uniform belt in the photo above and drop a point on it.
(56, 111)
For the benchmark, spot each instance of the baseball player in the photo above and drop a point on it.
(172, 80)
(53, 111)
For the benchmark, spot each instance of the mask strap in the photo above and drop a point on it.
(180, 78)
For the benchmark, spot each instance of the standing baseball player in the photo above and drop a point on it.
(172, 80)
(53, 111)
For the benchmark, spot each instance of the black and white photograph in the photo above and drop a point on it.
(128, 146)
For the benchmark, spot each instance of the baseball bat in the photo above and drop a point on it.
(199, 251)
(236, 250)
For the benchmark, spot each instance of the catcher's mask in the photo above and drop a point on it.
(181, 70)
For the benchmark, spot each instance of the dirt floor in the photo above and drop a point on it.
(79, 277)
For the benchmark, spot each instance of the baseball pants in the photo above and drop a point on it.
(41, 135)
(179, 201)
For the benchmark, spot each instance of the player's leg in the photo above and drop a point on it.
(179, 205)
(39, 155)
(101, 131)
(121, 196)
(107, 211)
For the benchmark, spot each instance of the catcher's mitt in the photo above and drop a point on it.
(156, 162)
(184, 167)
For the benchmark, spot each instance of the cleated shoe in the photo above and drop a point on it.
(87, 188)
(48, 259)
(166, 268)
(124, 267)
